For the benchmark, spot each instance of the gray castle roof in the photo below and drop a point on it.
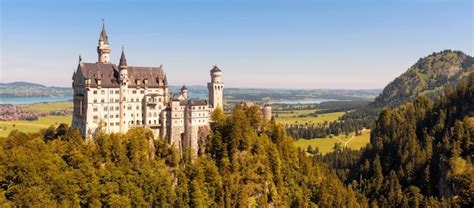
(194, 102)
(123, 60)
(109, 75)
(215, 69)
(103, 35)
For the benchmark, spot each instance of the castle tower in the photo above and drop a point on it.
(267, 112)
(184, 92)
(216, 89)
(103, 49)
(123, 79)
(166, 93)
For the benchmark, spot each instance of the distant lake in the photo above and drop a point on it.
(29, 100)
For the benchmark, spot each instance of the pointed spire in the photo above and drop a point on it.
(184, 88)
(165, 81)
(103, 35)
(123, 60)
(80, 58)
(215, 69)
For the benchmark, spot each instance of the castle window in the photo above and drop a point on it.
(116, 100)
(111, 100)
(117, 123)
(138, 107)
(95, 117)
(105, 115)
(142, 91)
(105, 108)
(95, 100)
(134, 92)
(116, 116)
(111, 92)
(102, 101)
(117, 108)
(111, 124)
(149, 122)
(102, 92)
(116, 92)
(94, 109)
(95, 92)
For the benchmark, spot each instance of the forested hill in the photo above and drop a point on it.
(427, 76)
(246, 162)
(422, 152)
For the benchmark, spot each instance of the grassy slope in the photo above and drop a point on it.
(288, 118)
(48, 107)
(326, 145)
(32, 126)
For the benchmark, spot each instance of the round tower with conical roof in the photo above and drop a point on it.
(216, 89)
(103, 49)
(184, 92)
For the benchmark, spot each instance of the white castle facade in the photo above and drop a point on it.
(115, 98)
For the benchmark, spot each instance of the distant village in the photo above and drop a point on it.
(10, 112)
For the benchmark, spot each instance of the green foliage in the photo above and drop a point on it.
(422, 149)
(246, 162)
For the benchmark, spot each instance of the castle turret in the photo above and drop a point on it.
(103, 49)
(166, 93)
(267, 112)
(216, 89)
(184, 92)
(123, 79)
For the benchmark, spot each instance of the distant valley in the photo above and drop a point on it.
(25, 92)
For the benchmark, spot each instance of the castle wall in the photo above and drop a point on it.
(102, 107)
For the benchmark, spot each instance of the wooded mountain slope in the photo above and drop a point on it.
(421, 153)
(427, 76)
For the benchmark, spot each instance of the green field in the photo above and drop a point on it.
(48, 107)
(326, 145)
(294, 118)
(32, 126)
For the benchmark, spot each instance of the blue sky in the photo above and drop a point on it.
(270, 44)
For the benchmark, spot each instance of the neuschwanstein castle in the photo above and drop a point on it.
(119, 97)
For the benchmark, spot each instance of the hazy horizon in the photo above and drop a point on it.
(266, 45)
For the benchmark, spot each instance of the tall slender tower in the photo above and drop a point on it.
(123, 79)
(216, 89)
(103, 49)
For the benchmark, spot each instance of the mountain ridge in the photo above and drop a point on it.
(427, 76)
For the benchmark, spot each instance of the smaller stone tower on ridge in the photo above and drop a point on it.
(267, 112)
(216, 89)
